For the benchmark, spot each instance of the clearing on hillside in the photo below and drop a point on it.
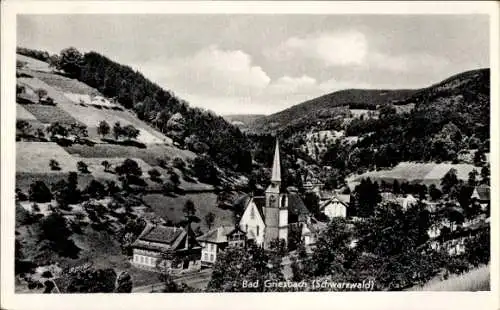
(149, 154)
(34, 157)
(22, 113)
(48, 114)
(33, 64)
(97, 169)
(425, 173)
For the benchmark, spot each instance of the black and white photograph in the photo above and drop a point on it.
(244, 152)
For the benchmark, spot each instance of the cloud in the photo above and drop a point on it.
(351, 49)
(211, 71)
(333, 49)
(287, 84)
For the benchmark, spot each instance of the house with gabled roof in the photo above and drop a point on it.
(336, 206)
(481, 195)
(177, 247)
(217, 239)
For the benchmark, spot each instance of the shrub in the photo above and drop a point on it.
(54, 165)
(39, 192)
(154, 174)
(82, 167)
(47, 274)
(179, 163)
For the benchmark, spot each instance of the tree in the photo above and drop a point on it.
(154, 174)
(479, 158)
(209, 219)
(472, 181)
(449, 180)
(168, 187)
(311, 200)
(189, 209)
(103, 128)
(237, 266)
(205, 170)
(82, 167)
(396, 189)
(96, 189)
(79, 131)
(178, 163)
(54, 230)
(130, 132)
(71, 62)
(434, 192)
(368, 196)
(57, 129)
(124, 283)
(93, 281)
(485, 175)
(39, 192)
(54, 165)
(106, 165)
(129, 167)
(163, 268)
(117, 130)
(24, 127)
(41, 93)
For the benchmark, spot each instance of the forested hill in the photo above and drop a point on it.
(188, 126)
(329, 106)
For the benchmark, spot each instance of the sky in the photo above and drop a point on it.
(262, 64)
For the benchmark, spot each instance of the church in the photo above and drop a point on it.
(275, 215)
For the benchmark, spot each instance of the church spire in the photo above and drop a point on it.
(276, 175)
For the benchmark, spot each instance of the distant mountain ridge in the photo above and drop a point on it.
(327, 106)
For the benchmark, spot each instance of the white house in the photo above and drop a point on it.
(217, 240)
(336, 206)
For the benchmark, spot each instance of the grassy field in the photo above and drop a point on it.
(48, 114)
(475, 280)
(426, 173)
(64, 84)
(24, 179)
(97, 170)
(34, 64)
(149, 154)
(170, 208)
(91, 116)
(22, 113)
(34, 83)
(34, 157)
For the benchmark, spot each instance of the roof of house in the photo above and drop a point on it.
(217, 235)
(160, 238)
(343, 199)
(483, 191)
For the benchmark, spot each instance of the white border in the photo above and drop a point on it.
(397, 300)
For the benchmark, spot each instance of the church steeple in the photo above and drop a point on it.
(276, 174)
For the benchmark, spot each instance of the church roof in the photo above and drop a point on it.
(276, 174)
(296, 206)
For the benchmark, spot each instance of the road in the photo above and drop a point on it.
(198, 280)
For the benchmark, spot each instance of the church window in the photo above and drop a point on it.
(252, 213)
(258, 230)
(246, 227)
(211, 257)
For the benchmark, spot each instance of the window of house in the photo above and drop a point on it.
(205, 256)
(258, 230)
(142, 259)
(211, 257)
(252, 214)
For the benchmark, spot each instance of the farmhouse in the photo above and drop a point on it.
(217, 239)
(157, 242)
(267, 218)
